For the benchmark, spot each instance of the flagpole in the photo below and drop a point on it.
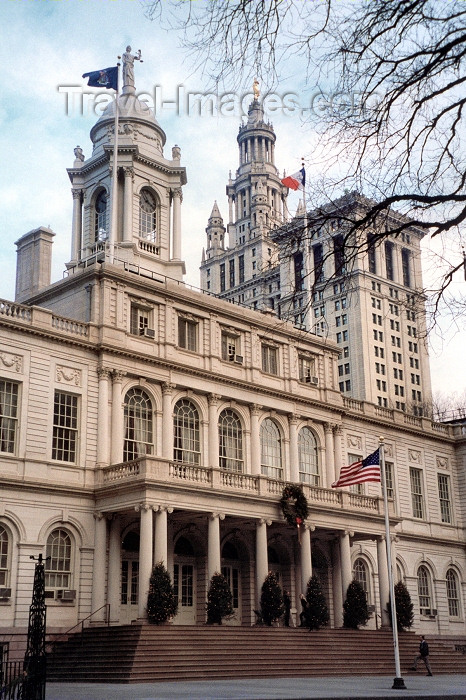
(398, 682)
(307, 261)
(114, 195)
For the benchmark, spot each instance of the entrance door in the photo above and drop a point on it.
(129, 591)
(185, 586)
(232, 575)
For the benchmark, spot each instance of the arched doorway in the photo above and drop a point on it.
(129, 577)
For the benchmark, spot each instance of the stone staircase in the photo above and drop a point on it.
(146, 653)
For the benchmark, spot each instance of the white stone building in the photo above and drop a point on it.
(141, 421)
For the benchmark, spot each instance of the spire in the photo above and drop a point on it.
(215, 213)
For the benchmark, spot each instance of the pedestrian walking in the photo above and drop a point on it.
(303, 615)
(423, 656)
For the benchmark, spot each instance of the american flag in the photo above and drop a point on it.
(367, 469)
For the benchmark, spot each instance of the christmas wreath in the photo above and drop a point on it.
(294, 505)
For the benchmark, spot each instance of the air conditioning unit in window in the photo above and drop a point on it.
(311, 380)
(149, 332)
(65, 594)
(5, 593)
(433, 613)
(426, 611)
(49, 594)
(239, 359)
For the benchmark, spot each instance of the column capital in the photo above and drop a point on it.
(329, 427)
(293, 418)
(350, 533)
(128, 172)
(338, 430)
(255, 409)
(213, 399)
(118, 374)
(142, 507)
(167, 388)
(264, 521)
(98, 515)
(213, 516)
(76, 193)
(177, 192)
(103, 372)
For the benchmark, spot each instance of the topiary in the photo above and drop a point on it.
(317, 615)
(355, 612)
(219, 600)
(162, 603)
(271, 599)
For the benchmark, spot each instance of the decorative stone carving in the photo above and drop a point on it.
(414, 456)
(355, 442)
(68, 375)
(442, 463)
(9, 360)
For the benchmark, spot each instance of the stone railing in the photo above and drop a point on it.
(230, 482)
(9, 308)
(43, 319)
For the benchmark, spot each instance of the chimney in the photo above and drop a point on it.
(33, 263)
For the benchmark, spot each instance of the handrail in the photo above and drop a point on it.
(81, 623)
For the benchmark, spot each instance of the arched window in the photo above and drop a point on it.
(4, 557)
(271, 451)
(307, 454)
(452, 593)
(361, 575)
(147, 215)
(138, 424)
(58, 560)
(230, 437)
(424, 589)
(100, 217)
(186, 433)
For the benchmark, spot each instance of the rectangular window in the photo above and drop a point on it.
(187, 334)
(389, 480)
(389, 260)
(444, 496)
(371, 253)
(230, 347)
(339, 255)
(222, 277)
(307, 369)
(299, 272)
(269, 359)
(318, 254)
(231, 264)
(417, 497)
(405, 266)
(241, 268)
(139, 320)
(65, 427)
(8, 415)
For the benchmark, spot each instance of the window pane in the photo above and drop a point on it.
(444, 496)
(230, 441)
(65, 427)
(416, 492)
(452, 594)
(271, 459)
(8, 415)
(58, 560)
(423, 586)
(186, 433)
(138, 424)
(307, 454)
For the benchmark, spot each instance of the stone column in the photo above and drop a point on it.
(76, 231)
(306, 560)
(255, 440)
(213, 457)
(337, 441)
(213, 545)
(329, 455)
(117, 418)
(145, 556)
(167, 420)
(177, 199)
(103, 422)
(161, 535)
(230, 209)
(337, 585)
(384, 587)
(345, 562)
(294, 452)
(114, 570)
(128, 205)
(262, 562)
(99, 567)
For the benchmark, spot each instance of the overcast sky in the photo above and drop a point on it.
(47, 110)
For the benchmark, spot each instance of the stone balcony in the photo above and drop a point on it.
(193, 478)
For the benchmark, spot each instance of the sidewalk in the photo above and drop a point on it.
(366, 687)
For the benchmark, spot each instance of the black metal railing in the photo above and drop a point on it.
(64, 635)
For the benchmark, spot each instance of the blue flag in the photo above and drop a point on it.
(106, 78)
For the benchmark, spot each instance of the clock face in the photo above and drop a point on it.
(147, 201)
